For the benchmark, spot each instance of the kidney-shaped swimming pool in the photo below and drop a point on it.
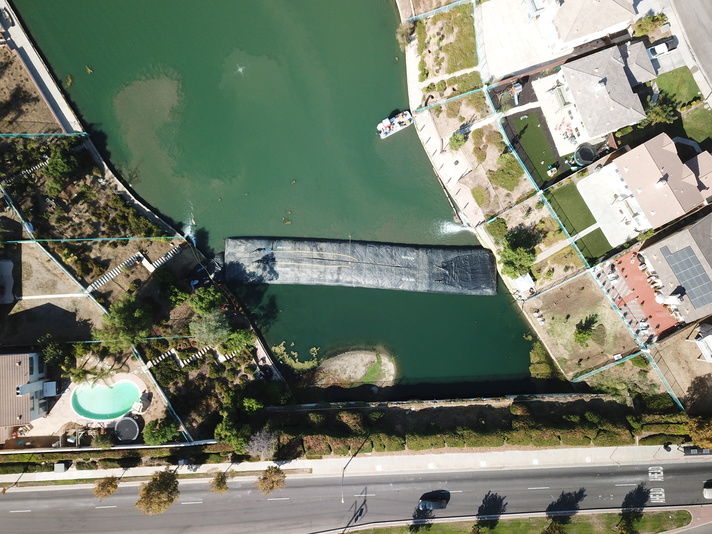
(102, 402)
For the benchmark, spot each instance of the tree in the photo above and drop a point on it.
(105, 487)
(662, 111)
(206, 300)
(250, 405)
(228, 432)
(272, 478)
(219, 482)
(457, 140)
(159, 432)
(129, 320)
(404, 34)
(700, 431)
(157, 495)
(262, 445)
(238, 342)
(210, 329)
(516, 262)
(55, 354)
(584, 330)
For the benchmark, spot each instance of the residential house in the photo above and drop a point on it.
(646, 187)
(593, 96)
(580, 21)
(681, 267)
(23, 390)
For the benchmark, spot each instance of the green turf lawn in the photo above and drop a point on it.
(571, 208)
(593, 245)
(679, 84)
(650, 523)
(535, 144)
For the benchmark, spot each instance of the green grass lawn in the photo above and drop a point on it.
(679, 84)
(650, 523)
(593, 245)
(571, 208)
(534, 142)
(698, 126)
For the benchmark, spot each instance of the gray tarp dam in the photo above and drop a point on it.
(421, 268)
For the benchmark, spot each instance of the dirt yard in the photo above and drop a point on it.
(482, 150)
(356, 367)
(627, 378)
(22, 109)
(575, 302)
(690, 378)
(36, 275)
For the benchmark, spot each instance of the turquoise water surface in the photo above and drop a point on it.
(100, 402)
(258, 119)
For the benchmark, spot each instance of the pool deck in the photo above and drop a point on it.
(62, 413)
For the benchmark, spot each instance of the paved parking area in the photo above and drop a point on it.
(668, 62)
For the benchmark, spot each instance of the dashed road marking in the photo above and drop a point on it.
(363, 495)
(192, 502)
(19, 511)
(539, 487)
(278, 499)
(623, 485)
(100, 507)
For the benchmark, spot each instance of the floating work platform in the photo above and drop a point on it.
(420, 268)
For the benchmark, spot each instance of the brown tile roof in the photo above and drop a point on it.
(665, 187)
(14, 371)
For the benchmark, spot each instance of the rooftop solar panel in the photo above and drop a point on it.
(690, 274)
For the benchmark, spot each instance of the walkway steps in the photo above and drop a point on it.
(113, 273)
(163, 259)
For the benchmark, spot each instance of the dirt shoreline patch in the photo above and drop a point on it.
(356, 367)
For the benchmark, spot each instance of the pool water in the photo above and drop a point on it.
(101, 402)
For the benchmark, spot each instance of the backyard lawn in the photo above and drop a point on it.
(571, 208)
(533, 140)
(698, 126)
(593, 245)
(680, 85)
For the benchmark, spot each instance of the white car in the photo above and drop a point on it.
(660, 50)
(707, 490)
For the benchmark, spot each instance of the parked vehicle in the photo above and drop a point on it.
(661, 49)
(707, 490)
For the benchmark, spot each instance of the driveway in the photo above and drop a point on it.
(668, 62)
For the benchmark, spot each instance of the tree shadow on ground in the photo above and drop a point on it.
(698, 399)
(14, 103)
(488, 514)
(633, 504)
(421, 520)
(566, 506)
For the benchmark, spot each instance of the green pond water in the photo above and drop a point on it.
(258, 119)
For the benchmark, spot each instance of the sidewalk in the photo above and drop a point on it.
(369, 464)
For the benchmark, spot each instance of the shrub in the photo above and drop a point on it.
(649, 23)
(159, 432)
(352, 420)
(608, 438)
(206, 300)
(662, 439)
(441, 86)
(516, 262)
(457, 140)
(676, 429)
(519, 437)
(498, 230)
(508, 174)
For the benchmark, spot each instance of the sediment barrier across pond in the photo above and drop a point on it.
(422, 268)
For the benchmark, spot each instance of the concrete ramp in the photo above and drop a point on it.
(419, 268)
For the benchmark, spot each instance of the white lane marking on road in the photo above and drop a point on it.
(100, 507)
(455, 491)
(192, 502)
(366, 495)
(622, 485)
(539, 487)
(655, 473)
(278, 499)
(19, 511)
(657, 495)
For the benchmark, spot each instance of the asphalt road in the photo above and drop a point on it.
(313, 504)
(696, 18)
